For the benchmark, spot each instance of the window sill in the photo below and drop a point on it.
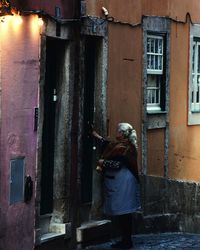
(195, 112)
(193, 118)
(155, 112)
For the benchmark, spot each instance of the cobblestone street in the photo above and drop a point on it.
(159, 241)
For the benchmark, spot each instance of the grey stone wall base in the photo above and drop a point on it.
(190, 223)
(155, 223)
(158, 223)
(168, 205)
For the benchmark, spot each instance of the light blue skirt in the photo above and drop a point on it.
(121, 192)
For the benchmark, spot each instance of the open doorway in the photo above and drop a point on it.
(55, 56)
(94, 52)
(89, 88)
(93, 99)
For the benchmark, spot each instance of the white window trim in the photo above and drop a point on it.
(193, 117)
(154, 72)
(195, 106)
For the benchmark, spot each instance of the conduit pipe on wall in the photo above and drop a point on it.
(42, 13)
(133, 25)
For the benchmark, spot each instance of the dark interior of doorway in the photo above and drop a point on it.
(91, 69)
(54, 61)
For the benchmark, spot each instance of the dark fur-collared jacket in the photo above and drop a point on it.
(122, 152)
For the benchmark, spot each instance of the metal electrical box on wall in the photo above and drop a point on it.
(16, 180)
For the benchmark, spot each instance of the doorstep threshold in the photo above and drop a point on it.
(93, 230)
(50, 236)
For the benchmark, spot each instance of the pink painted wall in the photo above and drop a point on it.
(19, 81)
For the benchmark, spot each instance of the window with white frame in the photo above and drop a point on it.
(194, 76)
(155, 59)
(195, 88)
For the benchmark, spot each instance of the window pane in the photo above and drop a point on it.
(156, 45)
(197, 96)
(192, 89)
(195, 85)
(149, 96)
(156, 62)
(148, 45)
(153, 89)
(152, 45)
(148, 61)
(152, 62)
(197, 91)
(193, 57)
(160, 62)
(160, 46)
(198, 60)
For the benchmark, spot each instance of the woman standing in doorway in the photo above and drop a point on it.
(118, 164)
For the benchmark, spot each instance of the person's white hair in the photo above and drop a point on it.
(129, 132)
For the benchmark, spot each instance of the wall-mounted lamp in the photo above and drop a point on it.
(40, 21)
(5, 8)
(18, 19)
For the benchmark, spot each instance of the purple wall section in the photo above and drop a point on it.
(19, 82)
(69, 8)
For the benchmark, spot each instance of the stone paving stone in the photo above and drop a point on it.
(164, 241)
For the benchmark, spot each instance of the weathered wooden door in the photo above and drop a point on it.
(90, 63)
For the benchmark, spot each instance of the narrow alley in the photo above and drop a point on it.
(99, 124)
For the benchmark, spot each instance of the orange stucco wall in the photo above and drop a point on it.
(155, 151)
(129, 11)
(184, 157)
(132, 11)
(124, 77)
(175, 9)
(125, 98)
